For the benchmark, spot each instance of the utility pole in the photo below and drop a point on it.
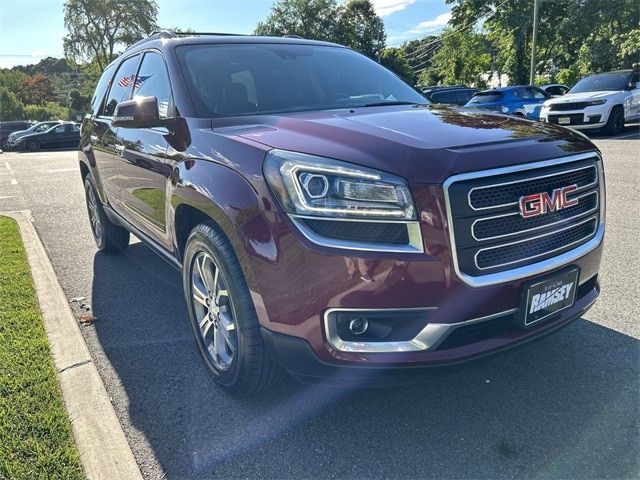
(532, 74)
(378, 38)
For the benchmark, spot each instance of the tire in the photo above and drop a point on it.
(615, 122)
(109, 237)
(33, 146)
(4, 145)
(222, 315)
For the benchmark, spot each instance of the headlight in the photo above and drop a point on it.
(596, 102)
(317, 186)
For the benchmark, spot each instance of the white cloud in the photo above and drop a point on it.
(387, 7)
(432, 25)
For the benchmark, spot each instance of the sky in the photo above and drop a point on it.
(33, 29)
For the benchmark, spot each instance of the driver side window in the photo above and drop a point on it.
(121, 85)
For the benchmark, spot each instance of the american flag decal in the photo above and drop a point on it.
(126, 81)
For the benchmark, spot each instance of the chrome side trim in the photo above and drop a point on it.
(475, 257)
(536, 268)
(429, 337)
(546, 225)
(519, 168)
(415, 244)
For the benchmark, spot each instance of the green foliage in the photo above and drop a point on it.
(96, 27)
(419, 53)
(47, 111)
(394, 59)
(568, 76)
(10, 107)
(463, 57)
(313, 19)
(354, 24)
(629, 47)
(360, 28)
(35, 431)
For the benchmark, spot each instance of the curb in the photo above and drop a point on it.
(104, 451)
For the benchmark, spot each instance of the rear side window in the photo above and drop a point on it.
(101, 90)
(486, 97)
(121, 85)
(444, 97)
(153, 81)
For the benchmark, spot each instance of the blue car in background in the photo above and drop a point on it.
(522, 100)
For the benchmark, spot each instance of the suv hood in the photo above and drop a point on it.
(423, 144)
(577, 97)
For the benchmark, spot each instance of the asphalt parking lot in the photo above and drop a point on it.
(564, 407)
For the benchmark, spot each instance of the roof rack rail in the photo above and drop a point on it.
(205, 34)
(159, 34)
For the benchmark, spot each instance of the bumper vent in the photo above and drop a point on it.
(373, 232)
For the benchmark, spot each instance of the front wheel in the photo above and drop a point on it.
(34, 146)
(615, 123)
(222, 314)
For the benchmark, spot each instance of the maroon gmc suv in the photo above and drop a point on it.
(327, 219)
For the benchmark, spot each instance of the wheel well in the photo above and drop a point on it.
(187, 217)
(84, 171)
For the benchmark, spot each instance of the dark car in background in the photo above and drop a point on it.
(520, 100)
(555, 89)
(37, 128)
(451, 95)
(329, 221)
(61, 135)
(7, 128)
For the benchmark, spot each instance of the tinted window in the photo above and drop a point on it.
(101, 89)
(444, 97)
(121, 85)
(605, 82)
(59, 129)
(270, 78)
(486, 97)
(557, 90)
(537, 94)
(153, 81)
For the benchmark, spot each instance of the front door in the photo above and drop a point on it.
(143, 167)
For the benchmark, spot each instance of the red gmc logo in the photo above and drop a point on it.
(540, 203)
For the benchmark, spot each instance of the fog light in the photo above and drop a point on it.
(316, 186)
(358, 326)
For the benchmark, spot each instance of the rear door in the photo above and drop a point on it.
(532, 99)
(634, 109)
(143, 168)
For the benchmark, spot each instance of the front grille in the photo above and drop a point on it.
(574, 119)
(490, 235)
(565, 107)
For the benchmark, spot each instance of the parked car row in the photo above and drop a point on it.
(23, 135)
(603, 101)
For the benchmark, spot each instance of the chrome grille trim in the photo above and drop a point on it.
(520, 232)
(528, 239)
(485, 187)
(543, 265)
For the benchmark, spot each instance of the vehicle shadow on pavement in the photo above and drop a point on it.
(566, 406)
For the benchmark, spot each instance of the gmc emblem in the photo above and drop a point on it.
(540, 203)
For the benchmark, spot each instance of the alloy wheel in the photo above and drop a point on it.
(94, 214)
(212, 307)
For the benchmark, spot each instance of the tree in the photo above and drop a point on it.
(97, 27)
(46, 111)
(10, 107)
(419, 53)
(313, 19)
(361, 29)
(36, 90)
(463, 57)
(394, 60)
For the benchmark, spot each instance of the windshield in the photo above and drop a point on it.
(227, 80)
(601, 83)
(486, 97)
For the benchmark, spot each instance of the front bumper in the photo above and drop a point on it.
(297, 356)
(589, 118)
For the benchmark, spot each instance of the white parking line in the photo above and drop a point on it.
(4, 198)
(6, 164)
(54, 170)
(14, 181)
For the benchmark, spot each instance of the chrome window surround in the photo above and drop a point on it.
(415, 244)
(535, 268)
(527, 230)
(429, 337)
(484, 187)
(475, 257)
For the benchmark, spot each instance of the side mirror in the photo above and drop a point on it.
(632, 86)
(140, 112)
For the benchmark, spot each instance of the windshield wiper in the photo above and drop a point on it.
(390, 102)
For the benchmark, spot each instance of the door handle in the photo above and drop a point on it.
(120, 149)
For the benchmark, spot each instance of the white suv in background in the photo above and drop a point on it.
(603, 101)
